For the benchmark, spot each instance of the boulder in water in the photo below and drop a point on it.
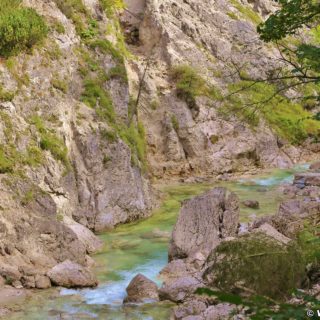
(203, 221)
(253, 204)
(72, 275)
(141, 289)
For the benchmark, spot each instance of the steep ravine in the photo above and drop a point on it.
(79, 152)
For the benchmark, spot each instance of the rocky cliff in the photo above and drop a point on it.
(191, 130)
(64, 171)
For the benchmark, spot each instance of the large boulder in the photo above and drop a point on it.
(203, 221)
(72, 275)
(141, 289)
(262, 262)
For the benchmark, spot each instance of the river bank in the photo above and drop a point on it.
(141, 247)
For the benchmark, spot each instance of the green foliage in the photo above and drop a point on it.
(74, 10)
(71, 7)
(28, 197)
(6, 161)
(246, 12)
(5, 95)
(232, 15)
(109, 135)
(111, 6)
(106, 47)
(154, 105)
(301, 54)
(95, 96)
(91, 31)
(134, 137)
(293, 15)
(175, 123)
(190, 84)
(10, 158)
(262, 308)
(20, 28)
(250, 261)
(309, 242)
(58, 27)
(119, 72)
(59, 84)
(288, 119)
(50, 142)
(106, 160)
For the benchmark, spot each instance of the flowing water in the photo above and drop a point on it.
(141, 247)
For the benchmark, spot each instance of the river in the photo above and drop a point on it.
(141, 247)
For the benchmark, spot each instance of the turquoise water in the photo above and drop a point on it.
(141, 247)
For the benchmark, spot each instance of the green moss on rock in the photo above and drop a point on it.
(257, 263)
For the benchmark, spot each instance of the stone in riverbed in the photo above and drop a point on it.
(179, 289)
(72, 275)
(307, 179)
(203, 221)
(42, 282)
(253, 204)
(315, 166)
(141, 289)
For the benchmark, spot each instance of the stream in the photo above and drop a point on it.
(141, 247)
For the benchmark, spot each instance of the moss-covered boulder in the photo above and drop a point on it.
(256, 263)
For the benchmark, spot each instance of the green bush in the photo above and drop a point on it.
(6, 162)
(110, 6)
(246, 12)
(289, 120)
(60, 84)
(109, 135)
(5, 95)
(71, 7)
(135, 138)
(175, 122)
(20, 28)
(51, 142)
(96, 97)
(73, 10)
(107, 47)
(190, 84)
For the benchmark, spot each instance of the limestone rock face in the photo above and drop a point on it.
(210, 36)
(141, 289)
(50, 211)
(72, 275)
(203, 222)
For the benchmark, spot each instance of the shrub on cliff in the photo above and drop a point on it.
(20, 28)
